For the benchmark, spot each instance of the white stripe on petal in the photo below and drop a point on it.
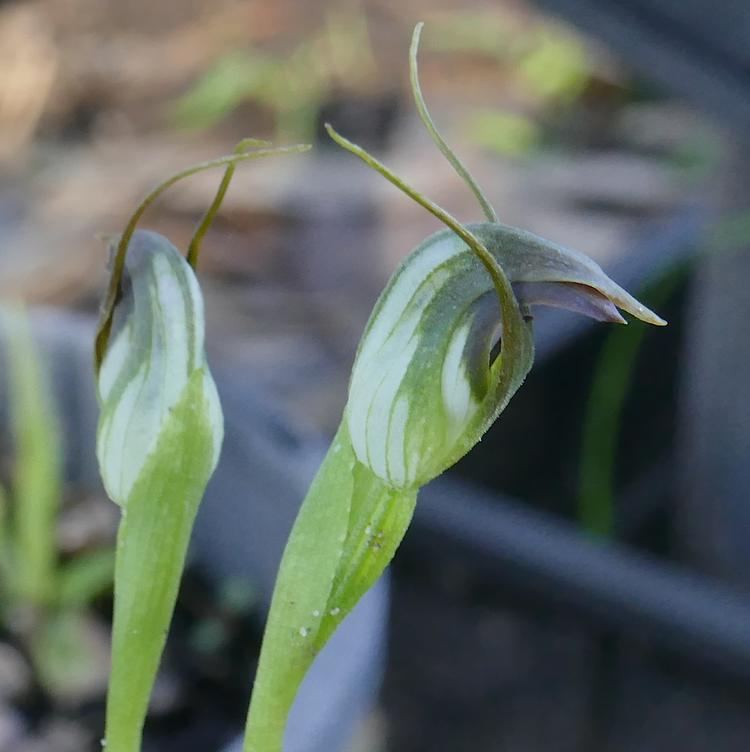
(397, 449)
(114, 363)
(455, 385)
(408, 279)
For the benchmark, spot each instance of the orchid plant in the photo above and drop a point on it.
(159, 437)
(447, 345)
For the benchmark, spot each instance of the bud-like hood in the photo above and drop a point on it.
(155, 352)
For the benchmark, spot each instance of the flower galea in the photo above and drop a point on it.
(425, 385)
(156, 356)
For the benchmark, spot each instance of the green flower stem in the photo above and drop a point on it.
(346, 533)
(152, 543)
(378, 520)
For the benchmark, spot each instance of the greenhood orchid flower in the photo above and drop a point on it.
(160, 432)
(155, 357)
(424, 387)
(158, 441)
(447, 345)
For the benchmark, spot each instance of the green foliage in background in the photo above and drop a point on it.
(44, 599)
(612, 384)
(292, 85)
(506, 133)
(547, 62)
(549, 59)
(602, 421)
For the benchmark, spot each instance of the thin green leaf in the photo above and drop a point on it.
(7, 570)
(613, 375)
(37, 481)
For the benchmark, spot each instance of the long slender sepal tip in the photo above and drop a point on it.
(434, 133)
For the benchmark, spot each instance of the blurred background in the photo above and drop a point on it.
(581, 580)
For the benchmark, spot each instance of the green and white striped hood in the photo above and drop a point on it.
(424, 387)
(156, 349)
